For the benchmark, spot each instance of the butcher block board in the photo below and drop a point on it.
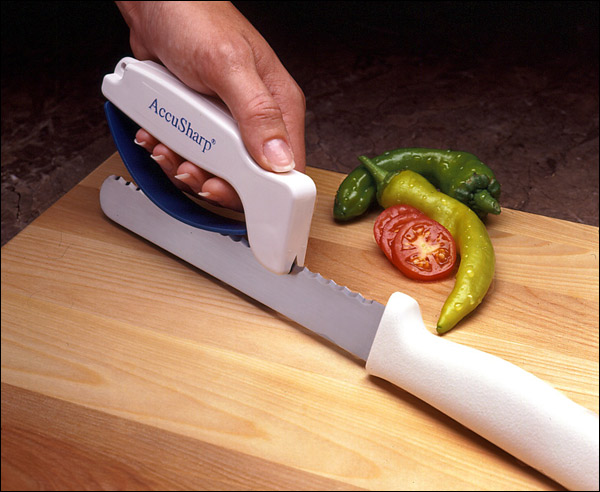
(125, 368)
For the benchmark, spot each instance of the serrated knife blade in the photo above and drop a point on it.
(301, 295)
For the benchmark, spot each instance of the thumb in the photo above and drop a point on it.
(261, 119)
(262, 128)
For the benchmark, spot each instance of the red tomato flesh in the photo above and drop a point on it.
(389, 222)
(423, 249)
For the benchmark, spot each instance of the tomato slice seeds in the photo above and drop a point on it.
(421, 248)
(389, 222)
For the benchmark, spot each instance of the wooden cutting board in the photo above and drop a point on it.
(125, 368)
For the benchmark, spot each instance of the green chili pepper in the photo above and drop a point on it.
(458, 174)
(477, 259)
(355, 195)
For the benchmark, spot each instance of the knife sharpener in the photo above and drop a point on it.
(278, 207)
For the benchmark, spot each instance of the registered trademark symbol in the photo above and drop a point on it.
(213, 141)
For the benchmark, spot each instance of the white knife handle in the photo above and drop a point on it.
(510, 407)
(278, 207)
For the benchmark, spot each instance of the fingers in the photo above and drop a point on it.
(187, 176)
(144, 139)
(209, 187)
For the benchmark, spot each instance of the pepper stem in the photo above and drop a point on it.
(379, 174)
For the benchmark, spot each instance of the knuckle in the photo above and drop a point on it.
(229, 54)
(261, 110)
(296, 95)
(288, 91)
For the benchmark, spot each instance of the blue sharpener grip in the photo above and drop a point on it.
(155, 184)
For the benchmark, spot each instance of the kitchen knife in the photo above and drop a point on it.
(515, 410)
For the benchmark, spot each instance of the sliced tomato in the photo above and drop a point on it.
(389, 222)
(423, 249)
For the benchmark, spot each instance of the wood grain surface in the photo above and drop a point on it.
(125, 368)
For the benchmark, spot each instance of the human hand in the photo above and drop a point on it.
(214, 50)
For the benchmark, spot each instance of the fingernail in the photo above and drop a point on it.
(279, 155)
(158, 158)
(182, 177)
(205, 194)
(137, 142)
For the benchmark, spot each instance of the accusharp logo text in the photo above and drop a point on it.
(182, 125)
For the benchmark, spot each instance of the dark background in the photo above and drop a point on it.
(515, 83)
